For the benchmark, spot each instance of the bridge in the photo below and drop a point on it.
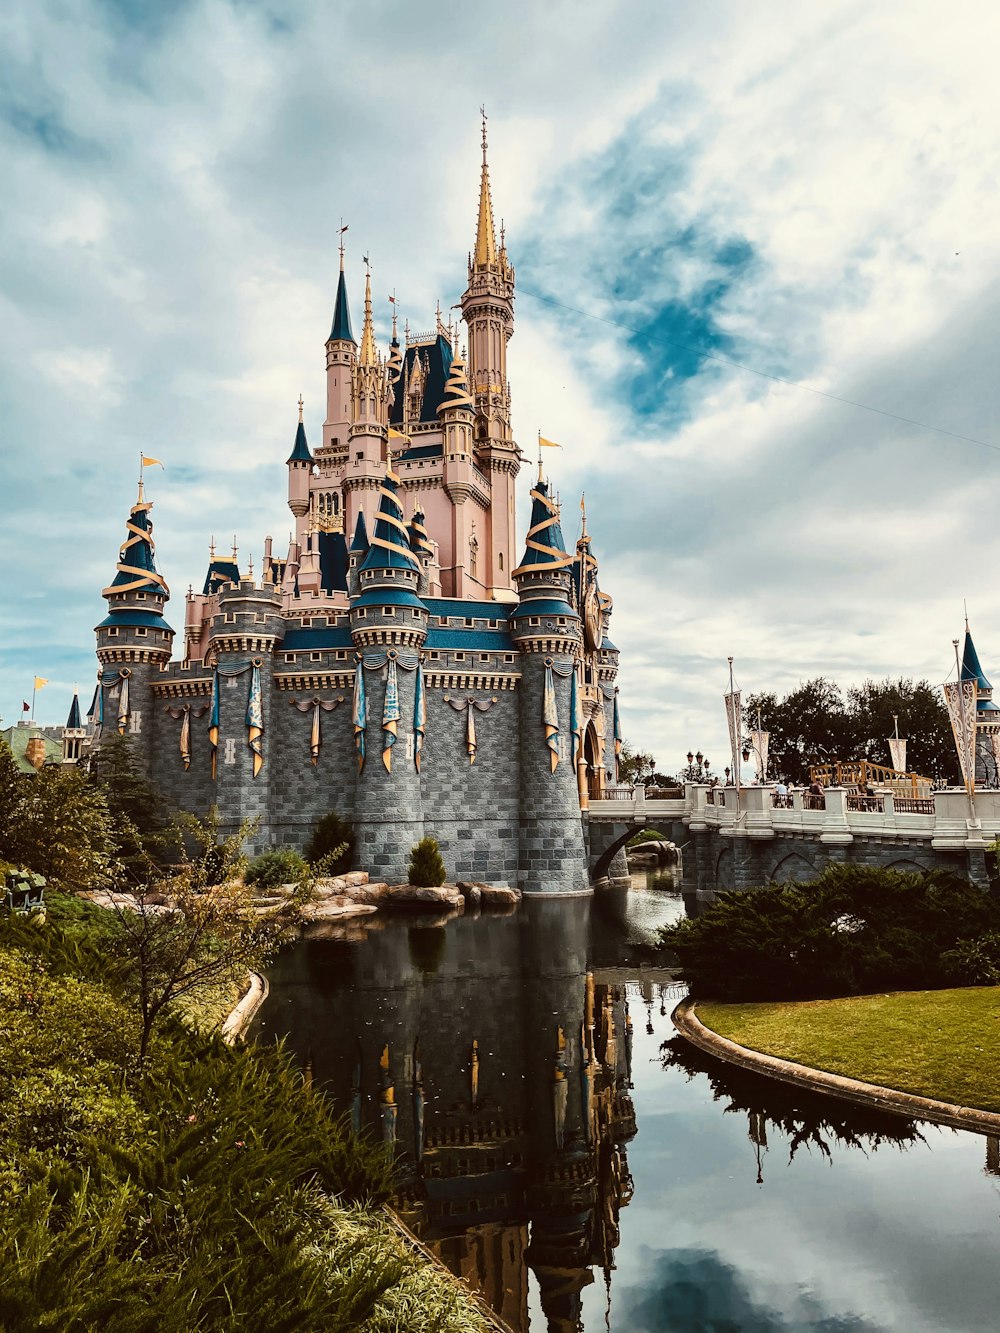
(740, 840)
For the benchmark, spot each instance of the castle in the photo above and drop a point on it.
(398, 665)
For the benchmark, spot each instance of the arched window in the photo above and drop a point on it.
(473, 555)
(500, 558)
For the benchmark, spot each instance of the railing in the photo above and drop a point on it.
(664, 793)
(913, 805)
(862, 773)
(810, 802)
(781, 802)
(867, 804)
(617, 794)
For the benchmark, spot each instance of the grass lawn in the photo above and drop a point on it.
(940, 1043)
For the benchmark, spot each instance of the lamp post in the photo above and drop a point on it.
(697, 768)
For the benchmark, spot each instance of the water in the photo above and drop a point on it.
(584, 1169)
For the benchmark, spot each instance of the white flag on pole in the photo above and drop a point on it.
(897, 749)
(960, 699)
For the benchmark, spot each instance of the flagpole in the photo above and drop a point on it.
(970, 783)
(34, 689)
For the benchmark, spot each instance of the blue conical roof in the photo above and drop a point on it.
(300, 450)
(545, 548)
(137, 561)
(390, 546)
(971, 670)
(360, 542)
(419, 541)
(341, 329)
(73, 722)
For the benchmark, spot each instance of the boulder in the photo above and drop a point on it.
(497, 895)
(333, 909)
(354, 878)
(416, 895)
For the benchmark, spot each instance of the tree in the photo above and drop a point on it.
(145, 833)
(923, 719)
(426, 864)
(814, 725)
(61, 828)
(185, 933)
(634, 766)
(332, 842)
(12, 783)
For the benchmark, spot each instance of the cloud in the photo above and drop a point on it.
(809, 193)
(689, 1291)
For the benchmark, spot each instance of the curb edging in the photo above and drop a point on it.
(873, 1095)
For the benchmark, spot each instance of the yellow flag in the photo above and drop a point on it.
(548, 444)
(148, 462)
(40, 682)
(397, 434)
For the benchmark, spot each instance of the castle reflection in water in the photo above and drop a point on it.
(500, 1066)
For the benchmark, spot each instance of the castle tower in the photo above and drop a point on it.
(341, 357)
(547, 632)
(300, 466)
(133, 640)
(370, 392)
(73, 734)
(388, 628)
(987, 715)
(488, 310)
(469, 574)
(244, 635)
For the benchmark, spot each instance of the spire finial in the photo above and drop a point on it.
(583, 511)
(211, 548)
(486, 246)
(343, 227)
(235, 548)
(301, 405)
(367, 354)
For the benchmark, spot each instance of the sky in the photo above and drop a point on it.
(807, 191)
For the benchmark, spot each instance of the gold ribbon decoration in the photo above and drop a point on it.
(316, 706)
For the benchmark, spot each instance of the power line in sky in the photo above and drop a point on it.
(764, 374)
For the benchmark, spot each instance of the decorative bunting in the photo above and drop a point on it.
(255, 719)
(419, 717)
(897, 752)
(213, 725)
(123, 701)
(575, 721)
(359, 714)
(469, 704)
(390, 713)
(184, 714)
(550, 717)
(316, 706)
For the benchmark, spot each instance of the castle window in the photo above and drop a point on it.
(341, 657)
(141, 633)
(473, 555)
(306, 622)
(469, 622)
(359, 455)
(388, 610)
(484, 657)
(442, 620)
(534, 620)
(140, 596)
(112, 633)
(460, 657)
(362, 611)
(289, 657)
(336, 439)
(315, 657)
(230, 618)
(434, 656)
(562, 620)
(508, 657)
(500, 558)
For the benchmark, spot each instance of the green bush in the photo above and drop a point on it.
(332, 843)
(853, 931)
(280, 865)
(426, 865)
(974, 962)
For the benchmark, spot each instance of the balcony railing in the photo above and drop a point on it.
(868, 804)
(913, 805)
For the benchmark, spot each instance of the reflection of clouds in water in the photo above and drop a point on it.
(695, 1291)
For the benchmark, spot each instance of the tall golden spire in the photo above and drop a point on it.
(486, 244)
(367, 356)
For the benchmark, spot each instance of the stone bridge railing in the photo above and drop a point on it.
(944, 820)
(636, 805)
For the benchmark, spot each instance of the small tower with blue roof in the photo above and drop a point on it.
(341, 358)
(134, 641)
(547, 632)
(388, 628)
(987, 715)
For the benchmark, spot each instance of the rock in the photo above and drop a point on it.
(415, 895)
(355, 878)
(332, 909)
(497, 895)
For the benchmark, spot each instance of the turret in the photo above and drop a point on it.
(74, 734)
(488, 310)
(134, 642)
(244, 635)
(987, 713)
(356, 554)
(300, 465)
(370, 411)
(388, 627)
(546, 630)
(341, 356)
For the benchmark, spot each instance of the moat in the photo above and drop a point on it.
(583, 1168)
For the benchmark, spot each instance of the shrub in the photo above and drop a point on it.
(280, 865)
(974, 962)
(426, 865)
(332, 843)
(852, 931)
